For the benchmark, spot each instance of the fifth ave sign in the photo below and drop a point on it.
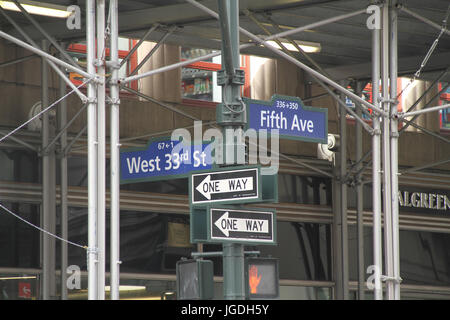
(290, 117)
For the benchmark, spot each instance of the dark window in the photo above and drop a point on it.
(424, 256)
(304, 190)
(19, 166)
(170, 186)
(19, 242)
(77, 171)
(149, 242)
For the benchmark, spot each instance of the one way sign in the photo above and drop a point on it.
(236, 225)
(235, 185)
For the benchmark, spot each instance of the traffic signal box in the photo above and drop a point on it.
(195, 280)
(261, 276)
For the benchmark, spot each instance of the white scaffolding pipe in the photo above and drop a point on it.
(315, 24)
(46, 35)
(425, 166)
(115, 153)
(323, 85)
(427, 131)
(359, 200)
(47, 273)
(45, 55)
(343, 223)
(432, 109)
(153, 50)
(386, 151)
(62, 116)
(393, 66)
(51, 63)
(423, 19)
(101, 149)
(376, 170)
(92, 153)
(141, 41)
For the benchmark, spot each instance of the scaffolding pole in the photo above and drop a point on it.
(393, 65)
(62, 121)
(92, 153)
(47, 270)
(376, 169)
(359, 200)
(386, 151)
(343, 230)
(115, 152)
(101, 148)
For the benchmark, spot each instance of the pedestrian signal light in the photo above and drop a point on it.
(261, 275)
(195, 280)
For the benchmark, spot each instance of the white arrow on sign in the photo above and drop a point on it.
(208, 187)
(227, 224)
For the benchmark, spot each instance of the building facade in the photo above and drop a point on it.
(154, 216)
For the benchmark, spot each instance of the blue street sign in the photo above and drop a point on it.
(288, 114)
(163, 159)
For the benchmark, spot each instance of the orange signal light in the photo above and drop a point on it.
(254, 279)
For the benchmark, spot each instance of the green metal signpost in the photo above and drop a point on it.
(216, 195)
(231, 114)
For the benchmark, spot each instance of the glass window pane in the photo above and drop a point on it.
(197, 84)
